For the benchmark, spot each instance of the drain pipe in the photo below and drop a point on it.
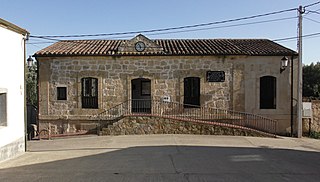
(291, 112)
(25, 39)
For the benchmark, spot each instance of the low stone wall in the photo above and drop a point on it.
(155, 125)
(310, 125)
(315, 125)
(57, 127)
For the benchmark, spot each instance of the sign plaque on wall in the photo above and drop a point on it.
(215, 76)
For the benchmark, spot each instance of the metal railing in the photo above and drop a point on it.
(179, 111)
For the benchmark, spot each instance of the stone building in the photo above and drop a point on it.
(82, 78)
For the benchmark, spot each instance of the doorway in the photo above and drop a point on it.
(191, 92)
(141, 95)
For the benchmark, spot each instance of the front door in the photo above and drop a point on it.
(141, 95)
(191, 92)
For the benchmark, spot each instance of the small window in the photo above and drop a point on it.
(3, 109)
(268, 92)
(61, 93)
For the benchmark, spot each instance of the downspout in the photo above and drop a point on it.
(291, 122)
(25, 38)
(38, 102)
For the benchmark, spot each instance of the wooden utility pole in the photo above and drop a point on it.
(299, 99)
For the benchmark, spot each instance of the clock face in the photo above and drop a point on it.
(140, 46)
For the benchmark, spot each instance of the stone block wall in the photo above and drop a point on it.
(114, 81)
(239, 91)
(155, 125)
(310, 125)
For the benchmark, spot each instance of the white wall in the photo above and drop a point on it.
(12, 79)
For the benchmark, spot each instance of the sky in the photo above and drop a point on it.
(74, 17)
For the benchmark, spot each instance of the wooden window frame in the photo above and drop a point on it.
(62, 93)
(3, 108)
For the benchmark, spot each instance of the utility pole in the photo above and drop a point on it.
(299, 99)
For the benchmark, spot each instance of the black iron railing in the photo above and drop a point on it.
(185, 112)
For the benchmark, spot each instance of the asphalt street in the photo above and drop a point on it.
(166, 158)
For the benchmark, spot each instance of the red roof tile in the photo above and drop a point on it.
(254, 47)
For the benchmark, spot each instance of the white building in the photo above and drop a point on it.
(12, 90)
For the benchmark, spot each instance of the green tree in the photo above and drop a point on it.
(31, 84)
(311, 80)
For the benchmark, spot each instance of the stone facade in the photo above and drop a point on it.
(155, 125)
(100, 74)
(239, 91)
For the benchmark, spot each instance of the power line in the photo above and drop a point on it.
(52, 38)
(49, 37)
(313, 4)
(312, 20)
(226, 26)
(290, 38)
(316, 12)
(216, 27)
(181, 31)
(48, 42)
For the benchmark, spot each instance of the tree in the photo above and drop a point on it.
(311, 80)
(31, 84)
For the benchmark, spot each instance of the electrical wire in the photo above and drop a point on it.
(290, 38)
(227, 26)
(181, 29)
(48, 42)
(192, 30)
(312, 20)
(50, 37)
(312, 4)
(316, 12)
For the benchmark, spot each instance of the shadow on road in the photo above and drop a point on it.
(175, 163)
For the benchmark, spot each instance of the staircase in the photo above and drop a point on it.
(195, 114)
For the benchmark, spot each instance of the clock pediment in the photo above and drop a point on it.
(140, 44)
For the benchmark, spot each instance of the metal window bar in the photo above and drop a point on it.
(175, 110)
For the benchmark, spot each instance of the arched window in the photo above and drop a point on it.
(268, 90)
(89, 93)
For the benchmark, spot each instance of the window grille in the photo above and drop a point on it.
(89, 93)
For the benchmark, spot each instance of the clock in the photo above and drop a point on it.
(140, 46)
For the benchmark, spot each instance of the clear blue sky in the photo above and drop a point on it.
(64, 17)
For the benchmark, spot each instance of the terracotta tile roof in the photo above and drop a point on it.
(254, 47)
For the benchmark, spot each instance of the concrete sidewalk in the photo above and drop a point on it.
(166, 158)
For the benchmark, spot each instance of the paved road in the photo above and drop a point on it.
(166, 158)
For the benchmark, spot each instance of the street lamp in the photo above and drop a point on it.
(29, 62)
(284, 64)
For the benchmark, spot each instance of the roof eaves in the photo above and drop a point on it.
(13, 27)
